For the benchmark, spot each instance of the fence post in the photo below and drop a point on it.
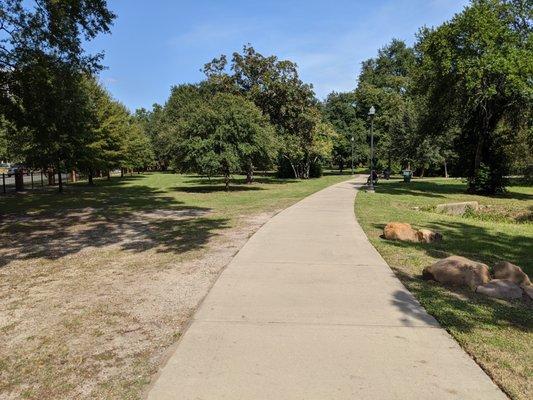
(4, 183)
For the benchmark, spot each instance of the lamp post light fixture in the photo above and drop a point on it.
(371, 114)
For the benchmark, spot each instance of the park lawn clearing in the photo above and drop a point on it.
(496, 333)
(97, 283)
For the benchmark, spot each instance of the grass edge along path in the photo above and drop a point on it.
(497, 334)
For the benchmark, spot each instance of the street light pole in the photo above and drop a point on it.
(371, 113)
(354, 105)
(352, 154)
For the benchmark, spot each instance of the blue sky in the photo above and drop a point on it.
(159, 43)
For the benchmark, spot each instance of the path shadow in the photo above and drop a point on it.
(460, 309)
(407, 304)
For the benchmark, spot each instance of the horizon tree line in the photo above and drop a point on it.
(459, 102)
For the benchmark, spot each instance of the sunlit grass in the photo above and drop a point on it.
(496, 333)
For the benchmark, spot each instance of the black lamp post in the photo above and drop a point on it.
(371, 114)
(354, 105)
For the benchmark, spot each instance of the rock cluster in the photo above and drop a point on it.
(458, 271)
(510, 281)
(457, 208)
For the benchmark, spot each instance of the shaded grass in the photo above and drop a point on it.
(186, 211)
(498, 334)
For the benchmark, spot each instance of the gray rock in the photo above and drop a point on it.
(501, 289)
(458, 271)
(528, 290)
(457, 208)
(506, 270)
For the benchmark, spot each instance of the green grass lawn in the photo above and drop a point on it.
(498, 334)
(168, 190)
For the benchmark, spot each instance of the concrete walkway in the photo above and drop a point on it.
(309, 310)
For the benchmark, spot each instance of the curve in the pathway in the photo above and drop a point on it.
(308, 309)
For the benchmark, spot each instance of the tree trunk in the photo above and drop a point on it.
(19, 180)
(422, 171)
(108, 173)
(250, 172)
(293, 169)
(226, 181)
(51, 177)
(59, 180)
(90, 177)
(122, 172)
(477, 156)
(445, 169)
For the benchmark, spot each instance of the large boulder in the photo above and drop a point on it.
(405, 232)
(400, 231)
(457, 208)
(528, 291)
(501, 289)
(458, 271)
(506, 270)
(428, 236)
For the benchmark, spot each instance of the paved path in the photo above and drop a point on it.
(309, 310)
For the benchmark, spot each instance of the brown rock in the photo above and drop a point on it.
(457, 208)
(528, 290)
(458, 271)
(501, 289)
(427, 236)
(400, 231)
(506, 270)
(405, 232)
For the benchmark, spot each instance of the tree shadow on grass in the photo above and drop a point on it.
(216, 188)
(134, 218)
(420, 188)
(216, 184)
(438, 190)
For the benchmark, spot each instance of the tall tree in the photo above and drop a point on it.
(276, 88)
(222, 137)
(115, 139)
(476, 70)
(386, 82)
(340, 110)
(137, 152)
(41, 65)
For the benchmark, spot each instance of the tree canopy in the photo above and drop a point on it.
(476, 72)
(224, 136)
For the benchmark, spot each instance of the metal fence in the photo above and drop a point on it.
(35, 180)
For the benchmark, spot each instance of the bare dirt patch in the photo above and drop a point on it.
(90, 302)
